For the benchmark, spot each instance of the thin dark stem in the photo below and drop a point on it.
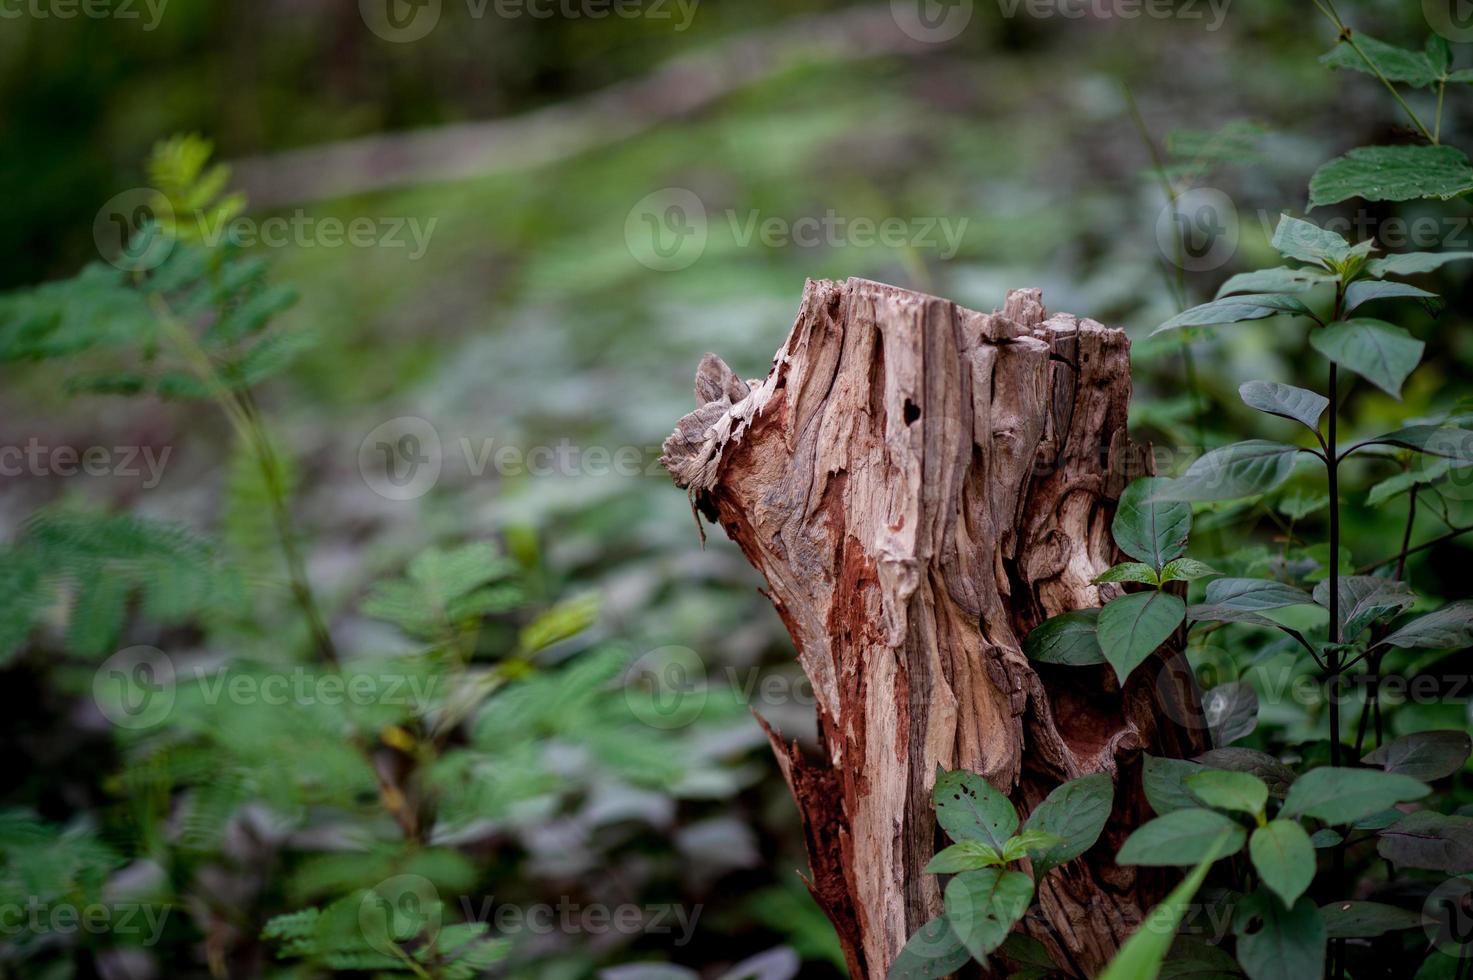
(1405, 552)
(1332, 471)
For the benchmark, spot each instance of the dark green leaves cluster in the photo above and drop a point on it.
(986, 898)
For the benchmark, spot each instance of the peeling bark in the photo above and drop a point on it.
(920, 485)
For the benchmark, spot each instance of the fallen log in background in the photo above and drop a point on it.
(921, 485)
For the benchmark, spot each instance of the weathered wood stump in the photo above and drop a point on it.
(921, 485)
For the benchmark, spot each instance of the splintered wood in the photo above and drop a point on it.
(921, 485)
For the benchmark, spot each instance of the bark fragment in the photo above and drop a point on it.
(921, 485)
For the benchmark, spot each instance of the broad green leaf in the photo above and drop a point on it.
(982, 906)
(1397, 64)
(1075, 813)
(1439, 54)
(1296, 238)
(1285, 401)
(1450, 626)
(1235, 309)
(1281, 280)
(1284, 857)
(1255, 594)
(1181, 837)
(1429, 840)
(1442, 441)
(1424, 755)
(1164, 781)
(1299, 504)
(1027, 842)
(1394, 486)
(1226, 790)
(1186, 570)
(1242, 469)
(969, 855)
(968, 808)
(1363, 600)
(1365, 920)
(1365, 291)
(1279, 943)
(933, 952)
(1392, 173)
(1132, 627)
(1413, 263)
(1147, 529)
(1141, 956)
(1130, 571)
(1231, 711)
(1026, 958)
(1380, 352)
(1274, 773)
(1338, 795)
(1071, 638)
(1325, 837)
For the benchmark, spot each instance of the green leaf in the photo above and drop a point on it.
(1281, 280)
(1299, 504)
(1021, 845)
(982, 906)
(1444, 442)
(1255, 594)
(1075, 813)
(1280, 943)
(1325, 837)
(1149, 530)
(933, 952)
(1450, 626)
(1364, 291)
(1274, 773)
(1026, 957)
(1296, 238)
(1380, 352)
(1285, 401)
(1392, 173)
(1235, 309)
(1132, 627)
(969, 809)
(1429, 840)
(1225, 790)
(1363, 600)
(1396, 64)
(1130, 571)
(1242, 469)
(1071, 638)
(1141, 956)
(1439, 53)
(1284, 857)
(1413, 263)
(1424, 755)
(1181, 837)
(1365, 920)
(1231, 711)
(1186, 570)
(969, 855)
(1164, 781)
(1338, 795)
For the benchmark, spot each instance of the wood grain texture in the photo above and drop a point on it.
(922, 484)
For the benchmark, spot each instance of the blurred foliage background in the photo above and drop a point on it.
(528, 320)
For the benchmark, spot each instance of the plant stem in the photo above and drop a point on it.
(1332, 655)
(1406, 552)
(1347, 36)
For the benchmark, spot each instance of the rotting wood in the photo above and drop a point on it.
(922, 484)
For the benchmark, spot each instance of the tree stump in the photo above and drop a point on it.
(921, 485)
